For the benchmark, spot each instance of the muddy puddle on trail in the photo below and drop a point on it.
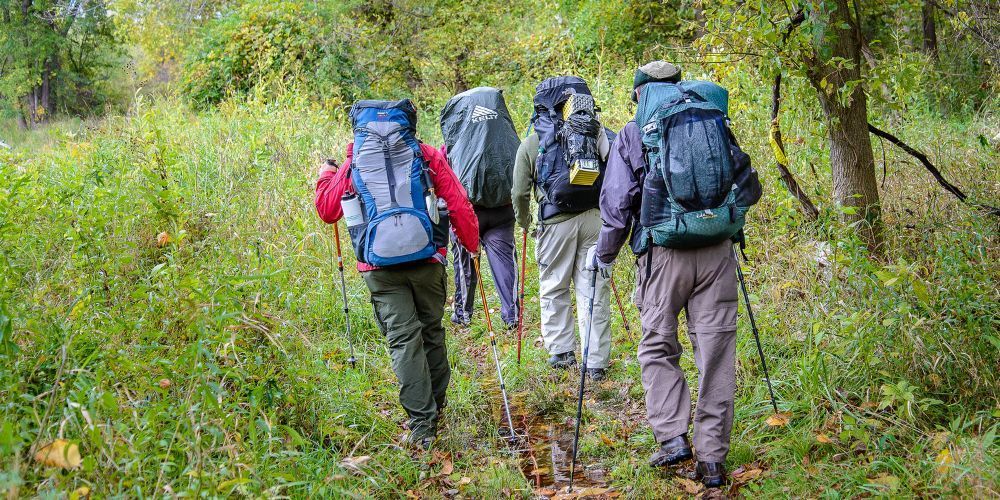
(546, 451)
(543, 447)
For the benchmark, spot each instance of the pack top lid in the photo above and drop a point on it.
(402, 111)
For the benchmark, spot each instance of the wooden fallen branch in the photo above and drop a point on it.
(778, 146)
(951, 188)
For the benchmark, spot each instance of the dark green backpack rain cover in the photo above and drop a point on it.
(482, 144)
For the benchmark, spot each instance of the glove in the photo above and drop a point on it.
(594, 263)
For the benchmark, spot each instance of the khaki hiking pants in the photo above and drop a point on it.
(409, 304)
(561, 254)
(701, 282)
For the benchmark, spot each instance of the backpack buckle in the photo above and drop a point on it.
(706, 214)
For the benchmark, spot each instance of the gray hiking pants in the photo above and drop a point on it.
(496, 234)
(561, 254)
(703, 283)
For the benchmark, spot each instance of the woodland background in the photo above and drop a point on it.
(168, 311)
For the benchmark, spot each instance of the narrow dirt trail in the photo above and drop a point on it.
(542, 443)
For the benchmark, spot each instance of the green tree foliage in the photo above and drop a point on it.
(162, 30)
(627, 29)
(55, 55)
(271, 43)
(851, 53)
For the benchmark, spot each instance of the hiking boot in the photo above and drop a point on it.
(459, 320)
(419, 441)
(711, 474)
(672, 451)
(597, 374)
(562, 360)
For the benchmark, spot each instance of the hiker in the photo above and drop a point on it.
(683, 198)
(562, 163)
(397, 197)
(480, 142)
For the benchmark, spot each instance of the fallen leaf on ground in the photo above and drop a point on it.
(447, 466)
(607, 441)
(779, 419)
(165, 383)
(162, 239)
(59, 453)
(746, 476)
(81, 492)
(892, 482)
(591, 492)
(354, 464)
(943, 460)
(464, 481)
(823, 438)
(693, 488)
(545, 492)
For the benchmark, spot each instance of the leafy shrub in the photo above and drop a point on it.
(265, 43)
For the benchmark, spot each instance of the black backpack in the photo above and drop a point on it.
(482, 144)
(564, 143)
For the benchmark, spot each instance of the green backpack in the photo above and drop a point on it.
(693, 195)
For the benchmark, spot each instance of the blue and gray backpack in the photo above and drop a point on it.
(389, 172)
(699, 184)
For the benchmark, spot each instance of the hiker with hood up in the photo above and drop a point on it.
(480, 142)
(562, 164)
(397, 196)
(679, 183)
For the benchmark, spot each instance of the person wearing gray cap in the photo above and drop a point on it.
(679, 184)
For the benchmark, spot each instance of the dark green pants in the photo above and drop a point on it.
(409, 304)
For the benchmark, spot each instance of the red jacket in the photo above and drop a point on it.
(331, 187)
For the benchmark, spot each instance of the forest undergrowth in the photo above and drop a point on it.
(169, 309)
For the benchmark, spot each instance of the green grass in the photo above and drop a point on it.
(894, 361)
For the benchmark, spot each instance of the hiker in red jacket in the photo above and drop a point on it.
(409, 297)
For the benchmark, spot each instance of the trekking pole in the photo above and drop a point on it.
(621, 308)
(520, 311)
(493, 344)
(583, 378)
(753, 326)
(465, 285)
(343, 290)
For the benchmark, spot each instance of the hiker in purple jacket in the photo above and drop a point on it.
(701, 281)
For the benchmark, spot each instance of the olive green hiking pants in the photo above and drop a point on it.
(409, 304)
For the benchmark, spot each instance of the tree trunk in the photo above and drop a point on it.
(460, 85)
(855, 184)
(45, 90)
(930, 29)
(699, 19)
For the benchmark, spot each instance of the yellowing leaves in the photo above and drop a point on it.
(779, 419)
(689, 486)
(162, 239)
(888, 480)
(59, 453)
(747, 474)
(355, 464)
(944, 460)
(823, 438)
